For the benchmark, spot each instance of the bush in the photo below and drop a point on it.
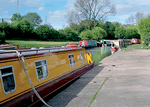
(98, 33)
(144, 29)
(86, 35)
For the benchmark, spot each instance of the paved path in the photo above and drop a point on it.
(128, 84)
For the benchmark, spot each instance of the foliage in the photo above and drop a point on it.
(16, 17)
(5, 27)
(116, 24)
(2, 37)
(98, 33)
(132, 32)
(43, 32)
(25, 28)
(86, 35)
(34, 19)
(70, 34)
(110, 29)
(120, 32)
(144, 28)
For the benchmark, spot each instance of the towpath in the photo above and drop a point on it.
(121, 80)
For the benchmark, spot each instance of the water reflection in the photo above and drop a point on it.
(102, 50)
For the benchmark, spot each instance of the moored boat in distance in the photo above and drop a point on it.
(88, 43)
(71, 45)
(48, 69)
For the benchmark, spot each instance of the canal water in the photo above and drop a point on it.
(98, 53)
(102, 50)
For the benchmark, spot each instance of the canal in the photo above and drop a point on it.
(98, 53)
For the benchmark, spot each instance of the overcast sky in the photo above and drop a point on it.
(55, 10)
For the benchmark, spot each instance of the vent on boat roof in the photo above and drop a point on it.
(41, 47)
(33, 48)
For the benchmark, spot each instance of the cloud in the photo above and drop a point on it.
(33, 3)
(40, 8)
(123, 16)
(70, 4)
(5, 12)
(57, 15)
(13, 1)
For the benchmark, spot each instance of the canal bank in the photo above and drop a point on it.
(120, 80)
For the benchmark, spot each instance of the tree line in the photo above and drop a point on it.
(85, 22)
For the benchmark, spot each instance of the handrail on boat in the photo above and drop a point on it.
(37, 50)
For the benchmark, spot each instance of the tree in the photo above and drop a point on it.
(4, 26)
(86, 35)
(98, 33)
(15, 30)
(2, 37)
(16, 17)
(144, 28)
(132, 32)
(25, 28)
(43, 32)
(91, 10)
(116, 24)
(34, 19)
(138, 16)
(133, 19)
(120, 32)
(70, 34)
(110, 29)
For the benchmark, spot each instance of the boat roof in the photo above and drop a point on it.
(6, 54)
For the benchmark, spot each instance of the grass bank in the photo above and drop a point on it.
(138, 46)
(29, 44)
(99, 56)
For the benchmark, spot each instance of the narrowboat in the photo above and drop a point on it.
(85, 43)
(135, 41)
(28, 75)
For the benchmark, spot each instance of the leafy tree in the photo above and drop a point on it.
(43, 32)
(2, 37)
(144, 28)
(86, 35)
(132, 32)
(98, 33)
(16, 17)
(62, 34)
(15, 30)
(116, 24)
(70, 34)
(110, 29)
(120, 32)
(34, 19)
(4, 26)
(25, 28)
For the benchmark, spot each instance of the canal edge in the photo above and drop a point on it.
(94, 97)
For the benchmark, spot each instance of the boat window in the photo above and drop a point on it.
(7, 79)
(71, 60)
(81, 57)
(41, 69)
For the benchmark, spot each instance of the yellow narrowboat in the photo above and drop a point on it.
(28, 75)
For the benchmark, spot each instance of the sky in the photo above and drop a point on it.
(53, 11)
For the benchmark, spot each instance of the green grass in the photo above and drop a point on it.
(126, 46)
(138, 46)
(99, 56)
(29, 44)
(97, 92)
